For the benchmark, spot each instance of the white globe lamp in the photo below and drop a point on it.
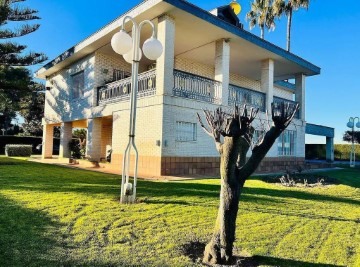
(129, 56)
(350, 124)
(121, 42)
(152, 48)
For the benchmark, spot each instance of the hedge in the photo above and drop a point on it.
(27, 140)
(341, 151)
(18, 150)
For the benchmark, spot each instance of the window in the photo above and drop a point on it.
(185, 131)
(286, 143)
(78, 84)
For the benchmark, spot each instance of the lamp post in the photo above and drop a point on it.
(351, 124)
(123, 44)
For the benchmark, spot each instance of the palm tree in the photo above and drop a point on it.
(286, 7)
(261, 14)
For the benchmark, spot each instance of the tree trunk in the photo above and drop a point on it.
(262, 34)
(219, 249)
(235, 169)
(288, 35)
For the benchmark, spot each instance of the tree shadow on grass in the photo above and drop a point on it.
(285, 193)
(40, 177)
(195, 250)
(272, 261)
(345, 176)
(27, 236)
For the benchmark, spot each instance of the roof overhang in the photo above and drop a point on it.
(192, 41)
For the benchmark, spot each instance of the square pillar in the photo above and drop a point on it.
(267, 82)
(48, 139)
(65, 138)
(300, 94)
(329, 149)
(93, 139)
(222, 68)
(165, 63)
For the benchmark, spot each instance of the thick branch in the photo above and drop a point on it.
(259, 153)
(282, 115)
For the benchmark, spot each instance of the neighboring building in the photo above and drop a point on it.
(207, 62)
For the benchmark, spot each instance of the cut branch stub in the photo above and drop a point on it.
(224, 124)
(283, 113)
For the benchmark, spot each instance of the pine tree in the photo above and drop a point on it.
(16, 83)
(11, 53)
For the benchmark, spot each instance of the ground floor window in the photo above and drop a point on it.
(286, 143)
(185, 131)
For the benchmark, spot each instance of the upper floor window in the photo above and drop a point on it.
(78, 84)
(185, 131)
(286, 143)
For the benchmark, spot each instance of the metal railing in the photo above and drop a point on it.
(120, 90)
(241, 96)
(188, 85)
(277, 100)
(120, 75)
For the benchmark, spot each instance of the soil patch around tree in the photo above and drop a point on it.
(195, 251)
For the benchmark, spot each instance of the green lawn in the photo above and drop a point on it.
(55, 216)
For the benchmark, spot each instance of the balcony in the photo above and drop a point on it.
(186, 85)
(241, 96)
(196, 87)
(279, 100)
(120, 90)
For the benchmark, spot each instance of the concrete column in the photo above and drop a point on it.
(65, 138)
(300, 93)
(48, 139)
(93, 139)
(330, 149)
(222, 63)
(165, 63)
(267, 82)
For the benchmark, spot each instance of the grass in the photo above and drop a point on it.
(55, 216)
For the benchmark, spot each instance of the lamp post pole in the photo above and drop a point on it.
(129, 47)
(351, 124)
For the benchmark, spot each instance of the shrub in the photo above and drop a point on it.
(27, 140)
(77, 151)
(341, 151)
(18, 150)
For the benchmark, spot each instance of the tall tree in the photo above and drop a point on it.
(11, 54)
(15, 84)
(287, 7)
(261, 14)
(15, 81)
(237, 132)
(32, 110)
(348, 136)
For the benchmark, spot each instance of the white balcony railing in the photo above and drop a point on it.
(120, 90)
(196, 87)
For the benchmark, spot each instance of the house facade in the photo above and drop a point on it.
(207, 62)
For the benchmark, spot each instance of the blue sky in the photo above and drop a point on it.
(327, 35)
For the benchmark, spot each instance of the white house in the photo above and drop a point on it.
(208, 61)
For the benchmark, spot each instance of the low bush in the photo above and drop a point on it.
(18, 150)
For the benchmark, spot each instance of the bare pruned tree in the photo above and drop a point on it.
(237, 132)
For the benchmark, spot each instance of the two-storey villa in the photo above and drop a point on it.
(208, 61)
